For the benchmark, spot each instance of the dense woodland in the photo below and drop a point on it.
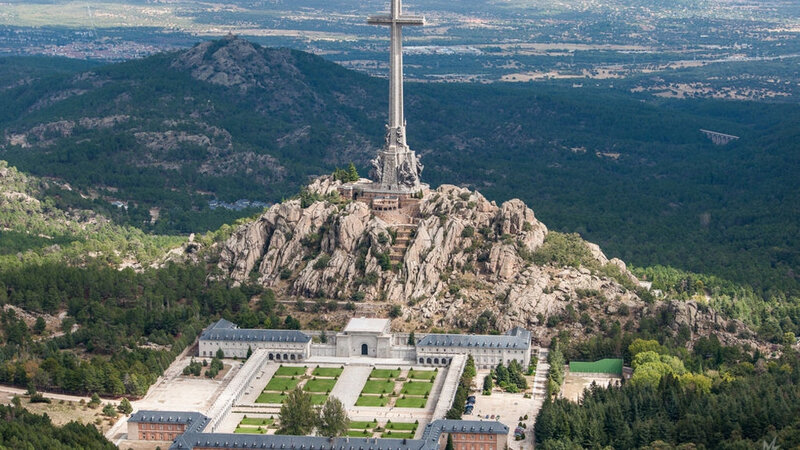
(130, 326)
(633, 174)
(21, 429)
(718, 225)
(731, 400)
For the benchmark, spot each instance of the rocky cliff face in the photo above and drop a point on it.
(466, 256)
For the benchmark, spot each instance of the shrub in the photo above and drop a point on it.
(322, 262)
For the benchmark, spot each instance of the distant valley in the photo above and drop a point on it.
(227, 121)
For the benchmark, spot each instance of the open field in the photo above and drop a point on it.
(372, 400)
(384, 373)
(271, 397)
(362, 425)
(416, 374)
(378, 387)
(332, 372)
(257, 421)
(320, 385)
(319, 399)
(411, 402)
(401, 426)
(289, 371)
(397, 435)
(417, 388)
(281, 384)
(359, 433)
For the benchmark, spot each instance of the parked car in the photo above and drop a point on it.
(471, 399)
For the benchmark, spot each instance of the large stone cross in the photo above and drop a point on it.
(396, 133)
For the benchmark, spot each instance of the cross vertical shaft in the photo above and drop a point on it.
(395, 136)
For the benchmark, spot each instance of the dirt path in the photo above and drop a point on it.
(70, 398)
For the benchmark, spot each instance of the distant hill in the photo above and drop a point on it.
(41, 221)
(228, 119)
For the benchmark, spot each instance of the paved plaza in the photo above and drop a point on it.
(349, 386)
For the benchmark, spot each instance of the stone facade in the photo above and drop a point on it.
(163, 425)
(367, 338)
(470, 435)
(283, 345)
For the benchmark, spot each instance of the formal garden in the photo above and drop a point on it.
(255, 425)
(397, 387)
(319, 383)
(396, 430)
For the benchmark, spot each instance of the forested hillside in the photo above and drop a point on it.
(229, 120)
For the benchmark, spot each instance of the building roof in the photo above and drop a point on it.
(223, 330)
(278, 442)
(365, 325)
(429, 441)
(517, 338)
(430, 437)
(195, 421)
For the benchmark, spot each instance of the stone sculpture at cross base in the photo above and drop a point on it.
(395, 189)
(397, 169)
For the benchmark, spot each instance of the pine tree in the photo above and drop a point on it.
(352, 173)
(411, 339)
(449, 445)
(333, 420)
(125, 406)
(297, 415)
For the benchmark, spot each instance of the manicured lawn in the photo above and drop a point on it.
(320, 385)
(270, 397)
(332, 372)
(411, 402)
(281, 384)
(417, 388)
(384, 373)
(398, 435)
(371, 400)
(359, 433)
(288, 371)
(249, 430)
(257, 421)
(378, 387)
(318, 399)
(401, 426)
(428, 375)
(354, 425)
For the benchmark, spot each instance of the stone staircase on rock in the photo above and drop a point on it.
(401, 241)
(540, 376)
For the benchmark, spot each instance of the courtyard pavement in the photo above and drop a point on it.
(349, 385)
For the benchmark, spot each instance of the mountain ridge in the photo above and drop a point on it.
(467, 257)
(636, 177)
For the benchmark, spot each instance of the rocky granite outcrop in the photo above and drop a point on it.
(467, 255)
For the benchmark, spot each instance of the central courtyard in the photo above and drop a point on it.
(382, 400)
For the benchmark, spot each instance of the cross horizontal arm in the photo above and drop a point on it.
(402, 20)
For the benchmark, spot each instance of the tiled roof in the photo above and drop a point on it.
(195, 421)
(369, 325)
(278, 442)
(517, 338)
(223, 330)
(429, 441)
